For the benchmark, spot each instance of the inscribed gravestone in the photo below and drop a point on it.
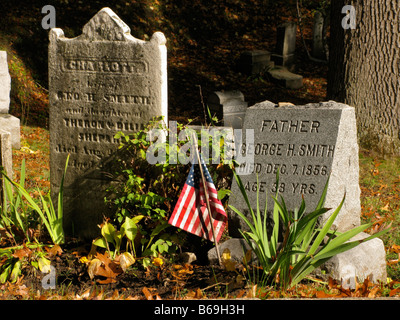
(101, 82)
(306, 144)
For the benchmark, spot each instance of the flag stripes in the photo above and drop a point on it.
(191, 213)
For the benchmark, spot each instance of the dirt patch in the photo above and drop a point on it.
(172, 280)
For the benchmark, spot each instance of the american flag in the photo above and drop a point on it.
(191, 213)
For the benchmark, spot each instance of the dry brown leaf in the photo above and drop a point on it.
(395, 248)
(252, 291)
(21, 253)
(228, 263)
(393, 292)
(93, 268)
(147, 294)
(115, 295)
(126, 260)
(385, 208)
(99, 296)
(373, 292)
(55, 250)
(86, 294)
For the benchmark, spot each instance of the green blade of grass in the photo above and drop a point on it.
(321, 235)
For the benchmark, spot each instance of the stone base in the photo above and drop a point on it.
(284, 60)
(254, 62)
(366, 260)
(237, 247)
(11, 124)
(284, 77)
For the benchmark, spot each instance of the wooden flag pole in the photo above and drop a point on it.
(207, 198)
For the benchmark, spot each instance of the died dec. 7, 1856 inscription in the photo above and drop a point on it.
(306, 144)
(101, 82)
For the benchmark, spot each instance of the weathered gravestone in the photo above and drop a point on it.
(307, 144)
(285, 44)
(318, 48)
(8, 122)
(101, 82)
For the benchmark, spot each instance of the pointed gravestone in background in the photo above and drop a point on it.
(285, 44)
(100, 82)
(318, 49)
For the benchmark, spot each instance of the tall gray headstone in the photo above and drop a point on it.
(318, 50)
(285, 44)
(306, 144)
(8, 122)
(101, 82)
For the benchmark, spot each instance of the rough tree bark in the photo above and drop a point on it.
(364, 70)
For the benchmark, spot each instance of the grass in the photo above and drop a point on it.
(380, 201)
(36, 152)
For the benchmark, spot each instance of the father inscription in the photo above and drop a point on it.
(306, 144)
(101, 82)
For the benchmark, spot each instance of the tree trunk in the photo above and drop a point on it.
(364, 70)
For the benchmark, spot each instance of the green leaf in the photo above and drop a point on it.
(6, 272)
(222, 193)
(321, 235)
(16, 271)
(44, 265)
(129, 229)
(108, 232)
(100, 242)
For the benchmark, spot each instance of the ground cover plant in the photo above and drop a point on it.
(104, 269)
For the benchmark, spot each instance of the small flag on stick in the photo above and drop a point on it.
(191, 212)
